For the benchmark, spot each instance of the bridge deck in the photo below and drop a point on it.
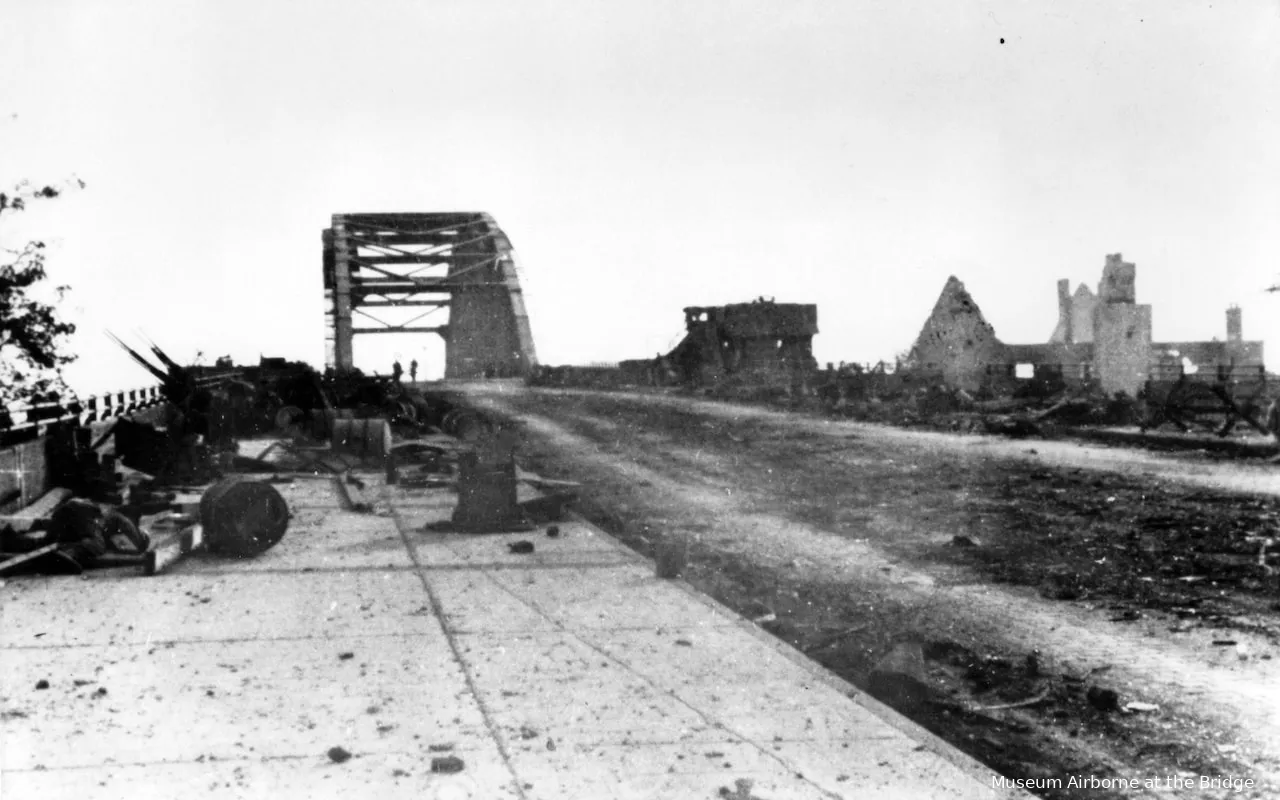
(568, 673)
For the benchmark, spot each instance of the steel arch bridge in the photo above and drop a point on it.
(460, 261)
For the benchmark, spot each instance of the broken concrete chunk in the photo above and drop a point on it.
(553, 531)
(42, 684)
(446, 764)
(901, 678)
(522, 547)
(1136, 706)
(338, 755)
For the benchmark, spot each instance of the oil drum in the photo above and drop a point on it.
(322, 420)
(366, 438)
(243, 518)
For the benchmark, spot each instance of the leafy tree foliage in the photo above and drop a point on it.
(32, 335)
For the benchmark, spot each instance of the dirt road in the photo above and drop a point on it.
(1034, 574)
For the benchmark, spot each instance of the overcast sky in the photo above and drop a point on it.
(647, 156)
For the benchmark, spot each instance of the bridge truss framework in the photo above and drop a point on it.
(459, 261)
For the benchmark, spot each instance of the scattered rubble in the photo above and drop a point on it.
(339, 755)
(447, 764)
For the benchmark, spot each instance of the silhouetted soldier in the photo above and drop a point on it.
(396, 371)
(413, 371)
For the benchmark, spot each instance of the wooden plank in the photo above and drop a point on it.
(40, 509)
(10, 563)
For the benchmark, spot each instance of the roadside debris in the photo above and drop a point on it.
(339, 755)
(1030, 701)
(900, 678)
(1136, 706)
(1105, 700)
(672, 558)
(522, 547)
(447, 764)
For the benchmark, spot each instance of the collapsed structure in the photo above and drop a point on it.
(1101, 339)
(762, 342)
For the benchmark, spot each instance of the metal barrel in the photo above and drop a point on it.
(243, 518)
(322, 420)
(366, 438)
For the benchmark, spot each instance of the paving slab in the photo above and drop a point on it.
(471, 601)
(610, 597)
(385, 776)
(687, 770)
(576, 544)
(256, 698)
(553, 686)
(195, 606)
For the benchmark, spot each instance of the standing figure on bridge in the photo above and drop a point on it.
(396, 371)
(413, 371)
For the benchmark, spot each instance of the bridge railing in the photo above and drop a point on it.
(35, 418)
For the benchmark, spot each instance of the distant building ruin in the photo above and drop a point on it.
(1102, 338)
(761, 340)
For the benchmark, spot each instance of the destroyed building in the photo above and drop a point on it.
(1102, 339)
(762, 339)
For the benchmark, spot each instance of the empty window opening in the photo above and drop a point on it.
(1024, 370)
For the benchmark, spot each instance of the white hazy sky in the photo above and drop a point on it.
(646, 156)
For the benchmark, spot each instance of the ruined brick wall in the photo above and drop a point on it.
(1083, 304)
(1235, 324)
(956, 341)
(1118, 284)
(1075, 315)
(1122, 346)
